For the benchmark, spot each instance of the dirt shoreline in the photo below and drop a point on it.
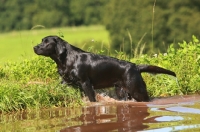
(179, 99)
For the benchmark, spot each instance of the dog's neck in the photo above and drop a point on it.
(66, 59)
(60, 64)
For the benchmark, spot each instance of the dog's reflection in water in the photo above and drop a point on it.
(121, 117)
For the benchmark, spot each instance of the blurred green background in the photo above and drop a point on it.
(121, 25)
(17, 45)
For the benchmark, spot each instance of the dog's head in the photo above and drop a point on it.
(50, 45)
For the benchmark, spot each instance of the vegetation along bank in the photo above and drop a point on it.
(34, 83)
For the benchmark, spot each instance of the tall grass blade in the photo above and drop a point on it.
(37, 26)
(152, 25)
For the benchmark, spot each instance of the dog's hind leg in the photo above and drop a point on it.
(136, 86)
(121, 93)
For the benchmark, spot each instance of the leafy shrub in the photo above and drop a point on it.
(34, 83)
(35, 69)
(184, 61)
(14, 96)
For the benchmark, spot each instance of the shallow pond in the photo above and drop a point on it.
(179, 113)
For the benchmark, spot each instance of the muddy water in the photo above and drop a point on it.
(180, 113)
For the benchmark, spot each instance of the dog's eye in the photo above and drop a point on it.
(45, 41)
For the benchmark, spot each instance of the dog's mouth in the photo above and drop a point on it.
(41, 51)
(37, 50)
(141, 97)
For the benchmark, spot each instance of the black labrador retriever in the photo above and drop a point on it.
(92, 71)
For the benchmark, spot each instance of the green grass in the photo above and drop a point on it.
(19, 44)
(33, 82)
(16, 96)
(184, 61)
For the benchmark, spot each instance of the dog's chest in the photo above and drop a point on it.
(68, 76)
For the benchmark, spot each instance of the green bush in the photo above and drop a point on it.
(36, 69)
(35, 83)
(184, 61)
(14, 96)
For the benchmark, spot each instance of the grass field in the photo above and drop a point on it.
(18, 45)
(35, 83)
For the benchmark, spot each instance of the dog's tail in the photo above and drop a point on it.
(155, 70)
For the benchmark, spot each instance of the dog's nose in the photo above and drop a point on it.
(35, 48)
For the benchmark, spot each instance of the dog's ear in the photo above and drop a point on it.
(60, 46)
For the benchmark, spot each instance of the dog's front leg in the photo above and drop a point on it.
(88, 89)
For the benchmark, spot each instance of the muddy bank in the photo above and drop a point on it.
(102, 100)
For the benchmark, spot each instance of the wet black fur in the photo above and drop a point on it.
(92, 71)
